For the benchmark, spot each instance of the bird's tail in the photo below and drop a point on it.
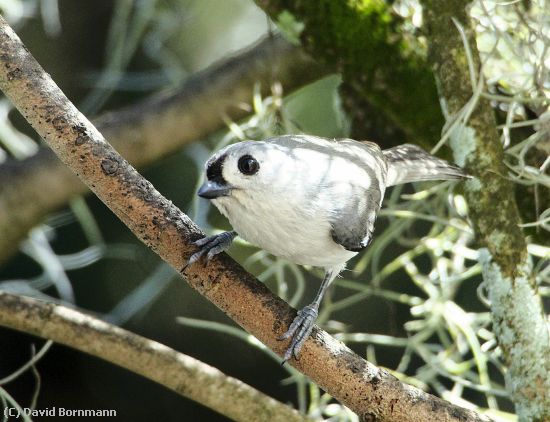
(409, 163)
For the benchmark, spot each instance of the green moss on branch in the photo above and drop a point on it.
(519, 322)
(362, 39)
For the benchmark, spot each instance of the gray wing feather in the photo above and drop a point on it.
(353, 225)
(353, 229)
(410, 163)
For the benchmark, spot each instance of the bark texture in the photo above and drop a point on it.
(519, 321)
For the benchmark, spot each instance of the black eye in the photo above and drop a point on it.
(248, 165)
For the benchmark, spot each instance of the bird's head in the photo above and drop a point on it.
(248, 170)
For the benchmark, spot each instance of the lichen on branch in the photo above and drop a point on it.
(518, 317)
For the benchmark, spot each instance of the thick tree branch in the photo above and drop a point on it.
(181, 373)
(32, 188)
(369, 391)
(518, 318)
(363, 41)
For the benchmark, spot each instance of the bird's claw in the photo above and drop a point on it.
(210, 246)
(299, 331)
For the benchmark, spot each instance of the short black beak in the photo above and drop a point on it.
(212, 190)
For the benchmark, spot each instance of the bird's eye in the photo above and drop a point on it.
(248, 165)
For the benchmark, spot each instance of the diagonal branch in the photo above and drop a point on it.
(371, 392)
(181, 373)
(158, 126)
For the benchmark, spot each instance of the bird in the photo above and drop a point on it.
(310, 200)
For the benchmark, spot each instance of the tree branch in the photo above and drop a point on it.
(363, 41)
(183, 374)
(518, 317)
(371, 392)
(143, 133)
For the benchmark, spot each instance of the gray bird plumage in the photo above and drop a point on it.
(410, 163)
(311, 200)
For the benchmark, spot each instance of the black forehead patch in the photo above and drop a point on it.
(214, 170)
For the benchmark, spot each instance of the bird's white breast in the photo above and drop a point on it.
(301, 237)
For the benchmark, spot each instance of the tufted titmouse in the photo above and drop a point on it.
(310, 200)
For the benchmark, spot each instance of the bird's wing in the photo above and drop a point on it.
(353, 227)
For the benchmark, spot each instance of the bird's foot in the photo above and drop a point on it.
(211, 246)
(299, 330)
